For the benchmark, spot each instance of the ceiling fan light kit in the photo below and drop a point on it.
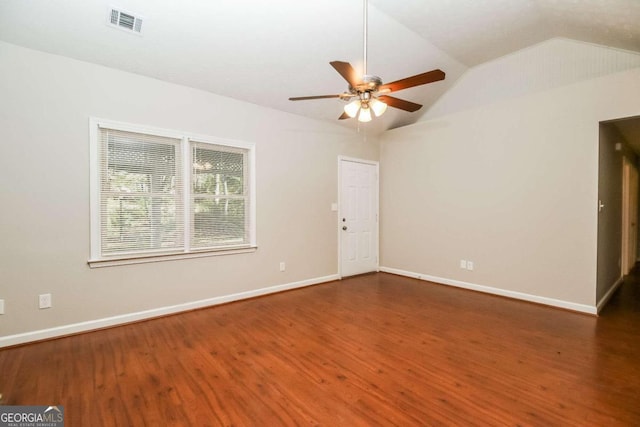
(370, 92)
(363, 106)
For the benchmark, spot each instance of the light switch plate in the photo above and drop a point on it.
(44, 301)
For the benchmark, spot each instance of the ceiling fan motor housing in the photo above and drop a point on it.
(369, 83)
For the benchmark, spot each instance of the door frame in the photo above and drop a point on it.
(629, 215)
(377, 208)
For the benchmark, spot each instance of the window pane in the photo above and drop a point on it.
(141, 205)
(136, 223)
(218, 172)
(139, 166)
(218, 222)
(220, 202)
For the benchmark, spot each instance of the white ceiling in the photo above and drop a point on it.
(264, 52)
(475, 31)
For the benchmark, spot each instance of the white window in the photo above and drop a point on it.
(159, 194)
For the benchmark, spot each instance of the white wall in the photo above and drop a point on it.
(511, 185)
(46, 102)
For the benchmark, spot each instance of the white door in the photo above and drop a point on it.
(358, 217)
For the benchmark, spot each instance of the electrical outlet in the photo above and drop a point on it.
(44, 300)
(1, 306)
(470, 265)
(282, 266)
(463, 264)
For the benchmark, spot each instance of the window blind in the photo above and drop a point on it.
(141, 187)
(219, 196)
(161, 194)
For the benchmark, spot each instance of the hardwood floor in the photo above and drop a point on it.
(371, 350)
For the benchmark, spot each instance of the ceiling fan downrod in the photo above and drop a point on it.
(364, 37)
(369, 82)
(365, 101)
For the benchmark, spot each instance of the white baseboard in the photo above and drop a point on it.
(156, 312)
(605, 299)
(495, 291)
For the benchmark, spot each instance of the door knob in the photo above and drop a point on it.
(344, 227)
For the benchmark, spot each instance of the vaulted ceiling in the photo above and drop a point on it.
(263, 52)
(476, 31)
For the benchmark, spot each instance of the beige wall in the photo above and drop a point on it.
(512, 186)
(46, 102)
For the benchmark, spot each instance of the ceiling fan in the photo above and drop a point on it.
(369, 91)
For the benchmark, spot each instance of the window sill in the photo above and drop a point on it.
(110, 262)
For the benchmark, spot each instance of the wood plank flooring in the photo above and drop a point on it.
(374, 350)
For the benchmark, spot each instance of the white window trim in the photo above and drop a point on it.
(96, 260)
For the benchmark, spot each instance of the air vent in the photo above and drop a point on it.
(123, 20)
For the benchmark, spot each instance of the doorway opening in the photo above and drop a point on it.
(618, 187)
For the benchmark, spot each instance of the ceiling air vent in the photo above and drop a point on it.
(125, 20)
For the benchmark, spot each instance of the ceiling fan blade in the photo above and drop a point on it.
(305, 98)
(344, 116)
(347, 72)
(400, 103)
(417, 80)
